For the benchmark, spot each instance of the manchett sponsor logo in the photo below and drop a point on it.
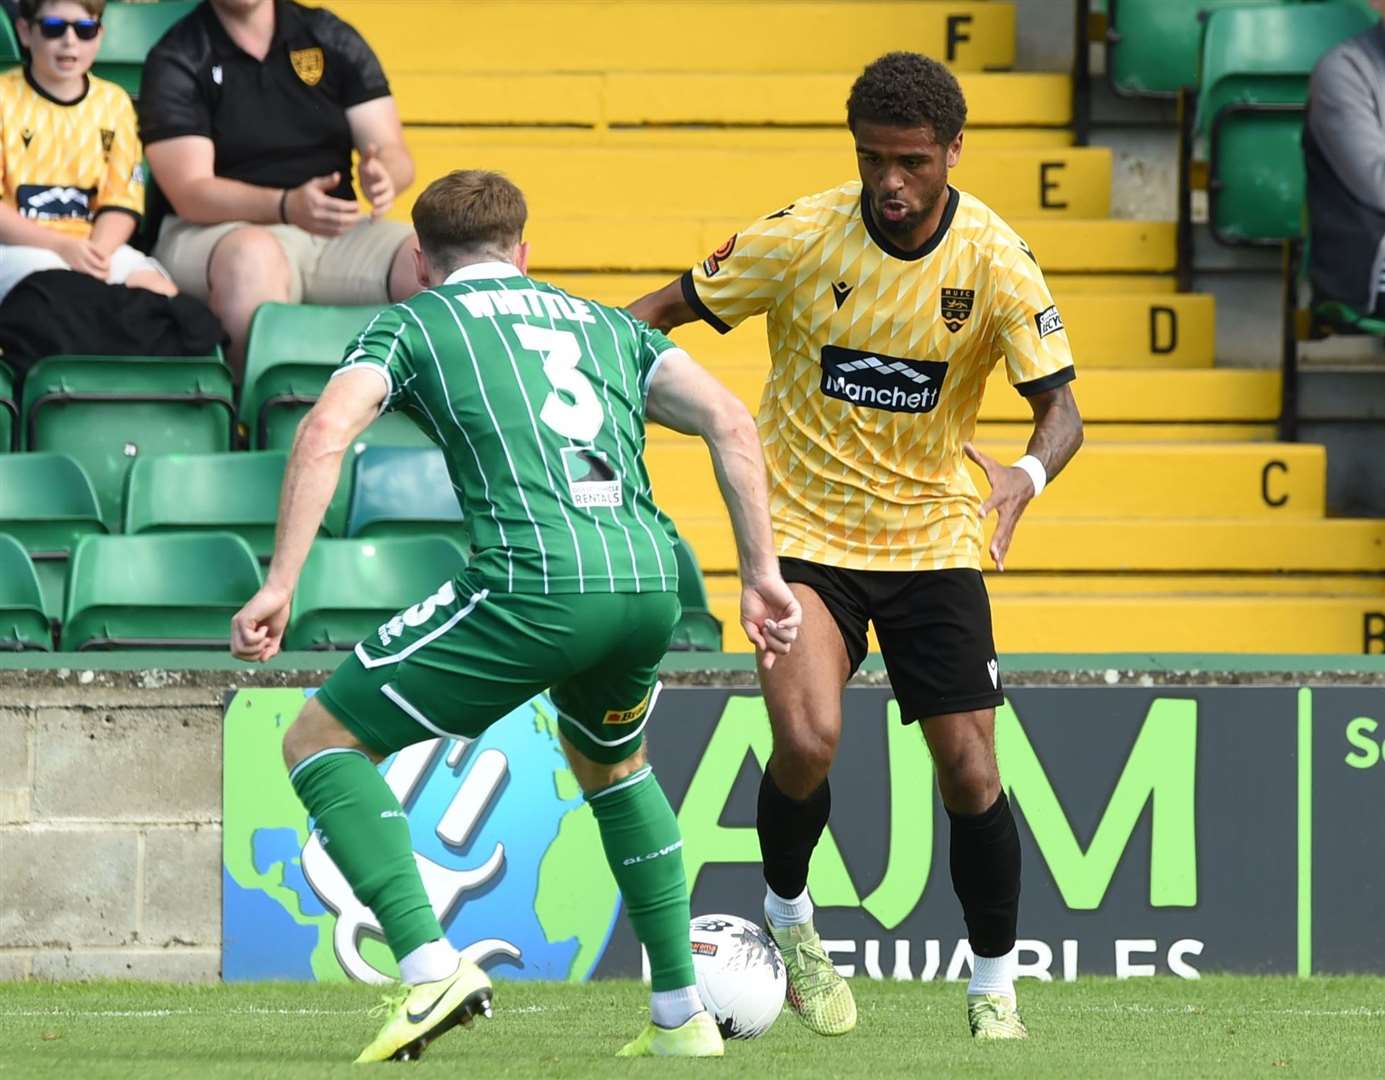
(882, 382)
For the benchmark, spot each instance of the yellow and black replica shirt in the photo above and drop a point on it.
(62, 163)
(878, 362)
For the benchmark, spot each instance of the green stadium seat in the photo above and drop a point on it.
(10, 53)
(23, 623)
(9, 412)
(1152, 45)
(291, 352)
(131, 31)
(106, 411)
(237, 493)
(348, 588)
(1256, 62)
(177, 590)
(698, 630)
(403, 491)
(47, 504)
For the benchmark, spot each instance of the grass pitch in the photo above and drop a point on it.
(1216, 1027)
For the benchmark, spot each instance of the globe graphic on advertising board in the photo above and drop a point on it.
(508, 851)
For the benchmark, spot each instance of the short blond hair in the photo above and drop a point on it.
(467, 212)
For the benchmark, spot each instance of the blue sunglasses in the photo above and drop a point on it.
(53, 28)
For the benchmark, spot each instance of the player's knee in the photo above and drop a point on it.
(248, 263)
(594, 775)
(802, 758)
(316, 729)
(968, 779)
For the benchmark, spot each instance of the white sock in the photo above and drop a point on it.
(431, 961)
(993, 975)
(782, 913)
(674, 1008)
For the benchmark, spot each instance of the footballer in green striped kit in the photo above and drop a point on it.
(538, 400)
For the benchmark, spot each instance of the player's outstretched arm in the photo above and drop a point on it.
(345, 409)
(686, 398)
(1056, 437)
(664, 308)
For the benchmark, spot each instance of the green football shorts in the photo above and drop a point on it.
(465, 657)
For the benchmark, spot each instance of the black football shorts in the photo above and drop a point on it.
(934, 628)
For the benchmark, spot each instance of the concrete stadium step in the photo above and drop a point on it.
(1103, 545)
(1273, 482)
(670, 245)
(1037, 101)
(1249, 623)
(652, 182)
(1117, 330)
(1217, 396)
(676, 35)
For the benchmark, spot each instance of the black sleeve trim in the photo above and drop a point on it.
(1048, 382)
(695, 302)
(374, 94)
(119, 210)
(157, 135)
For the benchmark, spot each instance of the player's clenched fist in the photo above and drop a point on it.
(257, 630)
(771, 616)
(1011, 490)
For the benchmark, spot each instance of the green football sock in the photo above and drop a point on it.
(364, 831)
(644, 849)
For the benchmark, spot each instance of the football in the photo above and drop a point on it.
(740, 974)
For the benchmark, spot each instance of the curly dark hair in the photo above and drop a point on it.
(907, 89)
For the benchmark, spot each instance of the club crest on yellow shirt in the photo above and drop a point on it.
(956, 307)
(308, 64)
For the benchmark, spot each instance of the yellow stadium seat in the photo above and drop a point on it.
(1017, 434)
(1167, 621)
(1118, 330)
(677, 35)
(670, 244)
(1109, 546)
(834, 138)
(625, 99)
(1207, 396)
(710, 183)
(1067, 283)
(1245, 623)
(1128, 481)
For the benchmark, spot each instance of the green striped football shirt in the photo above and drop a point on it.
(537, 401)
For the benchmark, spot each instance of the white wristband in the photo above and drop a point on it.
(1035, 468)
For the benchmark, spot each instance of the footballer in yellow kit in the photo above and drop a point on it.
(888, 302)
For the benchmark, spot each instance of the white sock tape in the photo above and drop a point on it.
(1035, 468)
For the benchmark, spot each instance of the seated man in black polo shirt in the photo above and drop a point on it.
(249, 111)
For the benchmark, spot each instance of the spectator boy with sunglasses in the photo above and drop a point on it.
(71, 179)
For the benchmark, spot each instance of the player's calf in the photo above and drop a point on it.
(645, 852)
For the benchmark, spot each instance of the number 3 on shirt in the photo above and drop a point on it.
(581, 418)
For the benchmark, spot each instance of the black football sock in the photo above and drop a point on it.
(789, 830)
(985, 860)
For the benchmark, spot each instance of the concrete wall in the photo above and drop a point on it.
(110, 824)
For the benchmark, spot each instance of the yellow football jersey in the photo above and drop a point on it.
(878, 361)
(61, 164)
